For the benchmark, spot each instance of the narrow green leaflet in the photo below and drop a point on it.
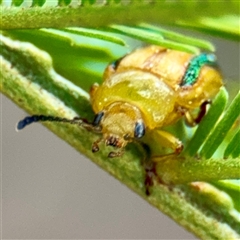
(220, 131)
(225, 26)
(75, 57)
(96, 34)
(180, 170)
(83, 32)
(17, 2)
(207, 124)
(64, 2)
(38, 3)
(233, 148)
(228, 24)
(231, 187)
(153, 38)
(180, 38)
(236, 151)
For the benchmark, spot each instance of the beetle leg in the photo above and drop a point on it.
(151, 177)
(152, 156)
(162, 138)
(95, 147)
(149, 167)
(191, 121)
(167, 140)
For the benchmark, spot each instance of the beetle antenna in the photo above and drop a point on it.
(42, 118)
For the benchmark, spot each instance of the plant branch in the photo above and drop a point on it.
(107, 12)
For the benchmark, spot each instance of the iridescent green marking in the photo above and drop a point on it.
(194, 67)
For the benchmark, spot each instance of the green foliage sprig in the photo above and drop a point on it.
(28, 78)
(49, 94)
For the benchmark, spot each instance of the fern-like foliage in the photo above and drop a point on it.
(82, 61)
(214, 128)
(202, 177)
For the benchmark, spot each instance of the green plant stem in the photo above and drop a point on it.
(24, 72)
(102, 14)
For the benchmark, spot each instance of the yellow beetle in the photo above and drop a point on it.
(144, 91)
(150, 88)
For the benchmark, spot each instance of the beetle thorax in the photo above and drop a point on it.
(145, 91)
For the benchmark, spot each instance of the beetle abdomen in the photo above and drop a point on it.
(168, 65)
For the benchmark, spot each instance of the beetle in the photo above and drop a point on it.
(144, 91)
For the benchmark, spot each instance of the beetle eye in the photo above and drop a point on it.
(98, 118)
(139, 130)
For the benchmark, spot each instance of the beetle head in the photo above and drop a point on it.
(120, 123)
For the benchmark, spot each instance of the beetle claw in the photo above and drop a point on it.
(95, 147)
(115, 154)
